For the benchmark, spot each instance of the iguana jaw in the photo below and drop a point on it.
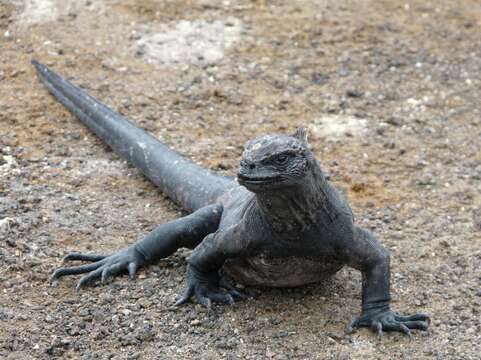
(258, 182)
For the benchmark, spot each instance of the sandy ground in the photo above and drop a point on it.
(390, 92)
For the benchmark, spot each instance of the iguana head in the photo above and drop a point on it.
(275, 161)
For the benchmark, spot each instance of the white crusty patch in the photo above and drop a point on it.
(38, 11)
(43, 11)
(334, 127)
(101, 167)
(196, 42)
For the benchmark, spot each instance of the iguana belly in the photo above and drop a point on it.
(263, 270)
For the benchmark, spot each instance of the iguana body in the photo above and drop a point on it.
(280, 223)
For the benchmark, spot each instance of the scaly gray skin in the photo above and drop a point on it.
(281, 223)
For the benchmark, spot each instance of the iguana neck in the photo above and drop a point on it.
(297, 208)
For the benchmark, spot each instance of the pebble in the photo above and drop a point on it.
(282, 334)
(331, 340)
(145, 334)
(353, 93)
(134, 356)
(126, 340)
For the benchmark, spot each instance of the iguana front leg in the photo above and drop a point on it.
(160, 243)
(204, 281)
(369, 256)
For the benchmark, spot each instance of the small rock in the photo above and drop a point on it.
(133, 356)
(282, 334)
(126, 340)
(8, 160)
(275, 320)
(477, 220)
(195, 322)
(391, 144)
(331, 340)
(88, 356)
(334, 336)
(84, 312)
(223, 166)
(11, 242)
(319, 79)
(229, 343)
(15, 73)
(145, 334)
(393, 121)
(354, 93)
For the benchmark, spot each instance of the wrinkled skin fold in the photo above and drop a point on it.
(280, 209)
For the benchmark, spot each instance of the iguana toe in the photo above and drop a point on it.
(387, 320)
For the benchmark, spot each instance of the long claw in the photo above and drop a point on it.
(103, 277)
(225, 298)
(405, 330)
(132, 268)
(415, 317)
(186, 295)
(205, 301)
(84, 257)
(352, 326)
(237, 295)
(231, 289)
(421, 325)
(75, 270)
(230, 299)
(112, 270)
(377, 327)
(398, 326)
(86, 279)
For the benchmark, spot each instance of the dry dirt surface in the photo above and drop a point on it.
(390, 92)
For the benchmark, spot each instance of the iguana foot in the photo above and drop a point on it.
(102, 267)
(208, 287)
(387, 320)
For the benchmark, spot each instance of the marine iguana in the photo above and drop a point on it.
(279, 223)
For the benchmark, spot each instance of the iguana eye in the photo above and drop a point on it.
(282, 159)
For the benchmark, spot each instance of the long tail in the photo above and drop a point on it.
(189, 185)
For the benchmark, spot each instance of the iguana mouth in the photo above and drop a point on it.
(258, 180)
